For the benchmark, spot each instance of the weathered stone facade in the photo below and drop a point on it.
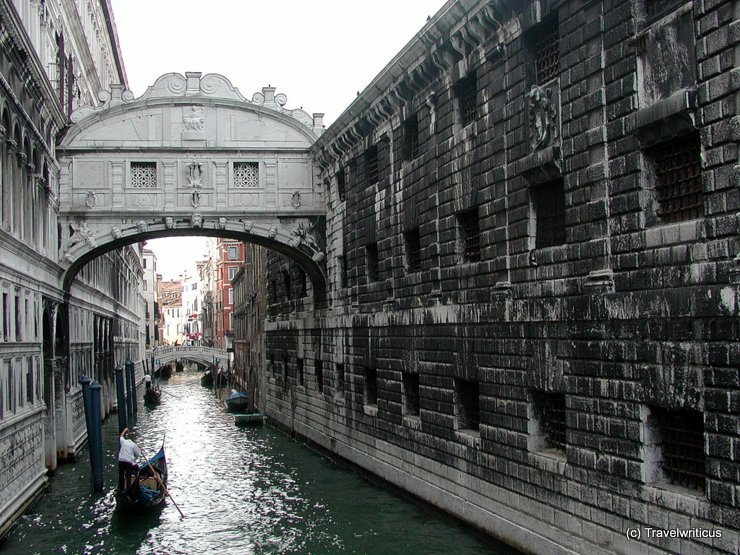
(533, 261)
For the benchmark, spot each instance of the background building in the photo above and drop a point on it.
(250, 310)
(173, 314)
(229, 256)
(150, 291)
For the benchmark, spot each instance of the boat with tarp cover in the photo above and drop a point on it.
(236, 401)
(147, 489)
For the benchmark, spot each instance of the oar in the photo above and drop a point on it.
(155, 475)
(170, 394)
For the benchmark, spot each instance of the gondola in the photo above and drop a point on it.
(206, 380)
(153, 396)
(236, 402)
(147, 490)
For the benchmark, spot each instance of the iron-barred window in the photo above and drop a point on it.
(373, 265)
(682, 447)
(246, 174)
(544, 40)
(549, 206)
(144, 175)
(552, 409)
(410, 394)
(371, 164)
(412, 241)
(299, 370)
(319, 370)
(678, 189)
(466, 91)
(410, 138)
(341, 184)
(468, 236)
(339, 387)
(370, 394)
(467, 404)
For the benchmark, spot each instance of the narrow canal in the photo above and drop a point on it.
(242, 491)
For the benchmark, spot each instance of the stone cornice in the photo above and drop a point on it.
(459, 27)
(92, 75)
(115, 44)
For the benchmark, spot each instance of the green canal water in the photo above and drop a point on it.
(242, 491)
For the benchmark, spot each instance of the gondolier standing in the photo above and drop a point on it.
(127, 455)
(148, 381)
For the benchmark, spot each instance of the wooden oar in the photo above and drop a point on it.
(170, 394)
(155, 475)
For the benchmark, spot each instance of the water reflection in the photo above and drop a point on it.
(250, 490)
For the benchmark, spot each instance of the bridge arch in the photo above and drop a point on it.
(191, 156)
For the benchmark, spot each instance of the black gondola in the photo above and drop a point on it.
(153, 396)
(147, 490)
(206, 380)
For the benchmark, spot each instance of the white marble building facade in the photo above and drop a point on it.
(55, 57)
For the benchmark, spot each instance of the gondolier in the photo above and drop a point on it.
(127, 455)
(148, 381)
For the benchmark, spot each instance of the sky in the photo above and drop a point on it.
(319, 53)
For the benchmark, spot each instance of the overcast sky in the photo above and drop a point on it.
(319, 53)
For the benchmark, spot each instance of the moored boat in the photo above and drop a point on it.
(206, 380)
(236, 401)
(148, 487)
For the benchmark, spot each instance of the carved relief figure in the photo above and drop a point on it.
(91, 199)
(196, 220)
(543, 117)
(81, 233)
(169, 222)
(195, 199)
(306, 234)
(194, 174)
(194, 120)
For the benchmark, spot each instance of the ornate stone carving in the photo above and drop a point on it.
(91, 199)
(169, 222)
(295, 199)
(116, 232)
(81, 234)
(248, 225)
(543, 117)
(194, 174)
(194, 120)
(273, 232)
(196, 220)
(305, 234)
(195, 199)
(222, 223)
(142, 226)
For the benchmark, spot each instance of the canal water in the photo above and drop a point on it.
(242, 491)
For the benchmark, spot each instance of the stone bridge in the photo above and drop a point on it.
(192, 156)
(205, 355)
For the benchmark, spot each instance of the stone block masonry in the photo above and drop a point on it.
(533, 260)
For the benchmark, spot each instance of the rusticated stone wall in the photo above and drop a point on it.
(533, 261)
